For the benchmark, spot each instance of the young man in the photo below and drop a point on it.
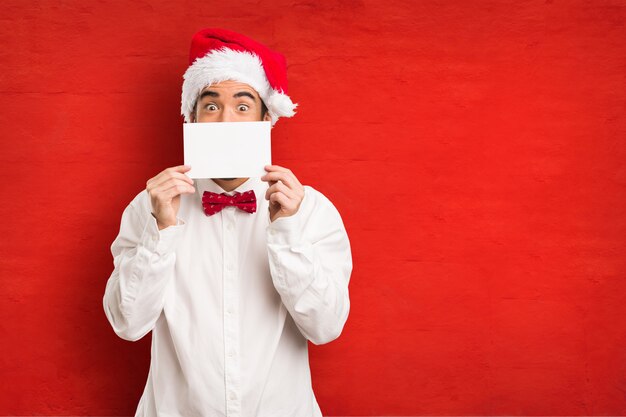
(231, 275)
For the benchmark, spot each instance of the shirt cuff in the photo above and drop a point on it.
(162, 241)
(287, 230)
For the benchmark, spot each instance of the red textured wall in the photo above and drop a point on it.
(476, 151)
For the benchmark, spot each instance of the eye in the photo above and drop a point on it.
(242, 107)
(211, 107)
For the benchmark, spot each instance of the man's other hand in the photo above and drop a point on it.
(285, 192)
(165, 189)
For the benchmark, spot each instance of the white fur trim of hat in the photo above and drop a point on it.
(227, 64)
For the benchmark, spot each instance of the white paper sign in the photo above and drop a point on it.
(227, 149)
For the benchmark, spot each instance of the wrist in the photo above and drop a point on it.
(162, 225)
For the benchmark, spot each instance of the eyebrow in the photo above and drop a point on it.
(216, 94)
(244, 94)
(208, 93)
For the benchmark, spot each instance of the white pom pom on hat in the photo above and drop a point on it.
(218, 54)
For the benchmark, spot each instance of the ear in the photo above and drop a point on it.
(267, 117)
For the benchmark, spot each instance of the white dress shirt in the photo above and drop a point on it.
(231, 300)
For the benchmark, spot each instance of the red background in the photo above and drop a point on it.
(476, 151)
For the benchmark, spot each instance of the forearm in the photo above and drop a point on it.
(311, 263)
(317, 298)
(135, 292)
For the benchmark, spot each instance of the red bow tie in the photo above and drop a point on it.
(214, 202)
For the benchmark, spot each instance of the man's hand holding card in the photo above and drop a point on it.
(285, 192)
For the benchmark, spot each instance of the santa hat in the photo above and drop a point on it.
(217, 55)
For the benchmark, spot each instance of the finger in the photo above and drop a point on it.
(175, 190)
(289, 180)
(296, 192)
(180, 168)
(161, 190)
(280, 187)
(165, 172)
(276, 168)
(167, 176)
(293, 178)
(281, 199)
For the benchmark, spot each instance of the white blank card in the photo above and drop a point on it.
(227, 149)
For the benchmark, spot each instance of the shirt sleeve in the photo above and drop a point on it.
(311, 263)
(143, 259)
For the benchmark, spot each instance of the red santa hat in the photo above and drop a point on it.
(217, 55)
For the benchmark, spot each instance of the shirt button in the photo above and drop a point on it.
(230, 267)
(230, 227)
(272, 232)
(231, 353)
(232, 396)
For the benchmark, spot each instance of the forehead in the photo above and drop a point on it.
(228, 86)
